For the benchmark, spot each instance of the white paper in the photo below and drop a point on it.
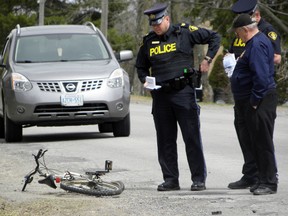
(229, 63)
(151, 83)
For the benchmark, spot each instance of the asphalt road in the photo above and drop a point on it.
(135, 163)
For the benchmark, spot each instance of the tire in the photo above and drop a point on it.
(93, 189)
(105, 127)
(13, 132)
(122, 128)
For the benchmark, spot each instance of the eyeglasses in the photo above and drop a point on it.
(157, 22)
(237, 31)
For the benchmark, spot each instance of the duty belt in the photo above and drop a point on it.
(179, 83)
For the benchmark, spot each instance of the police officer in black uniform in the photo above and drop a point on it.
(250, 170)
(250, 7)
(168, 52)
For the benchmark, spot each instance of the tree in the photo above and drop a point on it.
(127, 24)
(220, 15)
(14, 12)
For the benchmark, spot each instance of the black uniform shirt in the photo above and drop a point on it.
(272, 34)
(184, 37)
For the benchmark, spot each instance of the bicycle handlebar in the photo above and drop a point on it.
(29, 177)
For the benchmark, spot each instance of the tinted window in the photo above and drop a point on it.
(60, 47)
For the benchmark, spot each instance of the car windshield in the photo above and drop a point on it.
(60, 47)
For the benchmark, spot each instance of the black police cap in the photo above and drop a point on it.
(244, 6)
(156, 13)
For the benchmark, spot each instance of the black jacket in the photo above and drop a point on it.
(168, 55)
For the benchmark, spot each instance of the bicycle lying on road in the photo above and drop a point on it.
(89, 183)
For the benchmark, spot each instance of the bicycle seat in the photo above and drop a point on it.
(49, 180)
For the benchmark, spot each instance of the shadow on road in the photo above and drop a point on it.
(54, 137)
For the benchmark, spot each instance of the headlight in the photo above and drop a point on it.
(116, 79)
(20, 83)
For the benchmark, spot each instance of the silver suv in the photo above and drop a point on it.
(62, 75)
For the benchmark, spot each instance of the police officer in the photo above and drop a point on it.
(168, 52)
(250, 170)
(250, 7)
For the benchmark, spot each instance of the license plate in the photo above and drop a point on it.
(72, 100)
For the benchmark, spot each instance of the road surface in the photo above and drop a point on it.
(135, 163)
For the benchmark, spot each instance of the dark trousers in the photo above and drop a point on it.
(249, 169)
(168, 109)
(255, 130)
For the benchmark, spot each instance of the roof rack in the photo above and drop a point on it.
(91, 25)
(18, 29)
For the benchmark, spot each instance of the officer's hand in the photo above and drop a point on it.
(145, 85)
(204, 66)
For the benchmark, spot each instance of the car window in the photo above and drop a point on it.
(60, 47)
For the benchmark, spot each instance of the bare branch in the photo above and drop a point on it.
(275, 18)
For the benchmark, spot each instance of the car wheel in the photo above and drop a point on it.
(13, 132)
(2, 130)
(122, 128)
(105, 127)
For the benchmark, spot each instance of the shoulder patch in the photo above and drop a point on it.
(185, 25)
(188, 26)
(148, 36)
(192, 28)
(272, 35)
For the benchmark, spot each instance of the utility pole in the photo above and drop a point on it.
(104, 17)
(41, 11)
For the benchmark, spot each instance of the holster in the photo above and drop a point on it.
(194, 78)
(191, 78)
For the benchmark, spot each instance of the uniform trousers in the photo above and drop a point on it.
(255, 132)
(168, 109)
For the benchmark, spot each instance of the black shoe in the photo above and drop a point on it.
(241, 184)
(198, 186)
(254, 187)
(265, 190)
(168, 186)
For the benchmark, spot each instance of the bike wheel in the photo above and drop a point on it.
(92, 188)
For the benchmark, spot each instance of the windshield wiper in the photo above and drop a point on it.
(25, 61)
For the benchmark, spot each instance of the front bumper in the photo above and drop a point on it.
(44, 108)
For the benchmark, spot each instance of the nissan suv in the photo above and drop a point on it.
(58, 75)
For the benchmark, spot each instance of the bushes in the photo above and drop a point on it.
(282, 80)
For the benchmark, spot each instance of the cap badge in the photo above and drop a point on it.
(152, 16)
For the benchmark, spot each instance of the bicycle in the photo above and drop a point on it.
(89, 183)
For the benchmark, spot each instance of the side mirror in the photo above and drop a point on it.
(124, 55)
